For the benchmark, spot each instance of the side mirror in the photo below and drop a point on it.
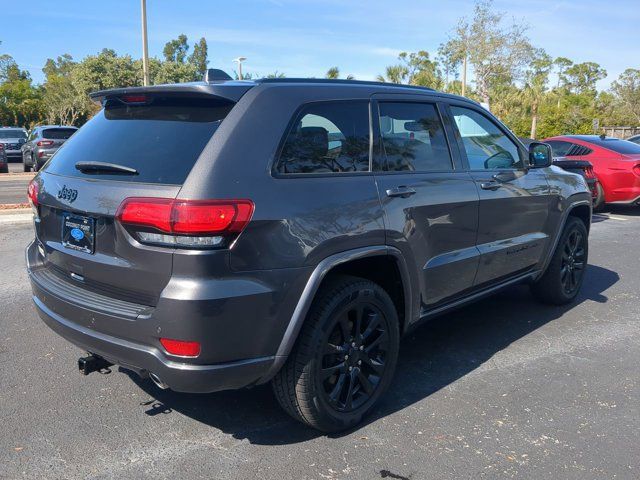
(540, 155)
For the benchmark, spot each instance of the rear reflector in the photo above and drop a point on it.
(181, 348)
(199, 223)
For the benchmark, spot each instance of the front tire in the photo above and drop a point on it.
(562, 281)
(344, 358)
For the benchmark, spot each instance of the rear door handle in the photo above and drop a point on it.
(401, 191)
(492, 185)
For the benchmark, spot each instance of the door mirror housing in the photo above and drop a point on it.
(540, 155)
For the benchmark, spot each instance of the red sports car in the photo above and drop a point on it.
(615, 162)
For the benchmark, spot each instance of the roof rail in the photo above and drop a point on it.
(215, 75)
(341, 81)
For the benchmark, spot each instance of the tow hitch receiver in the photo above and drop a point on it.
(92, 363)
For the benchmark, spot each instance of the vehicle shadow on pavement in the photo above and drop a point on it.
(432, 357)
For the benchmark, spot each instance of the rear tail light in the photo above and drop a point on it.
(44, 143)
(1, 146)
(588, 172)
(32, 192)
(636, 169)
(185, 223)
(181, 348)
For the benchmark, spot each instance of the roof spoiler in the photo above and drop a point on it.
(215, 75)
(227, 91)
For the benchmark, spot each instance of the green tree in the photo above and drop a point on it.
(199, 56)
(63, 103)
(497, 53)
(627, 91)
(583, 77)
(535, 86)
(394, 74)
(176, 50)
(415, 68)
(334, 74)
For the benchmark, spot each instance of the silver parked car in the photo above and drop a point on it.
(42, 143)
(11, 140)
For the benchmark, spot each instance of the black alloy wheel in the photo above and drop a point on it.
(354, 358)
(573, 262)
(344, 357)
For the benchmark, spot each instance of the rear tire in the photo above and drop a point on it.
(344, 358)
(25, 167)
(562, 281)
(598, 202)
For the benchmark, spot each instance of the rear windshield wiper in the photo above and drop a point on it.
(105, 167)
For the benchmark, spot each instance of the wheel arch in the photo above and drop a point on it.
(578, 207)
(364, 262)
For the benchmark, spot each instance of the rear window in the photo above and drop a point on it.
(619, 146)
(161, 139)
(58, 133)
(12, 133)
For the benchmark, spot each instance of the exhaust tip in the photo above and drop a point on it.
(159, 383)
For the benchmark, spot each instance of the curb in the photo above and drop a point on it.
(16, 216)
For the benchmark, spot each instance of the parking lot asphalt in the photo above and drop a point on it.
(13, 188)
(505, 388)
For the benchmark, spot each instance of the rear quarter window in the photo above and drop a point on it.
(161, 139)
(327, 137)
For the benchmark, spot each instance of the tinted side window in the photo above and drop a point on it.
(486, 145)
(560, 148)
(330, 137)
(413, 138)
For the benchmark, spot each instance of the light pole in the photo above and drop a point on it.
(239, 61)
(145, 50)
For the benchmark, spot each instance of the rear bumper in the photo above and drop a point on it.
(142, 359)
(234, 354)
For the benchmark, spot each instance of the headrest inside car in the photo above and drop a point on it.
(315, 138)
(413, 126)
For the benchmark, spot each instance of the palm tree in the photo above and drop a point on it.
(334, 73)
(394, 74)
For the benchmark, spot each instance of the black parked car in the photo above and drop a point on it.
(224, 234)
(12, 139)
(42, 143)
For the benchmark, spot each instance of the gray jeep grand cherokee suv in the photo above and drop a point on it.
(223, 234)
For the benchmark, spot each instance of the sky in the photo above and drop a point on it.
(303, 38)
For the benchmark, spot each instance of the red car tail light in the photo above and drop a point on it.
(181, 348)
(44, 143)
(186, 223)
(588, 172)
(32, 193)
(636, 169)
(1, 146)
